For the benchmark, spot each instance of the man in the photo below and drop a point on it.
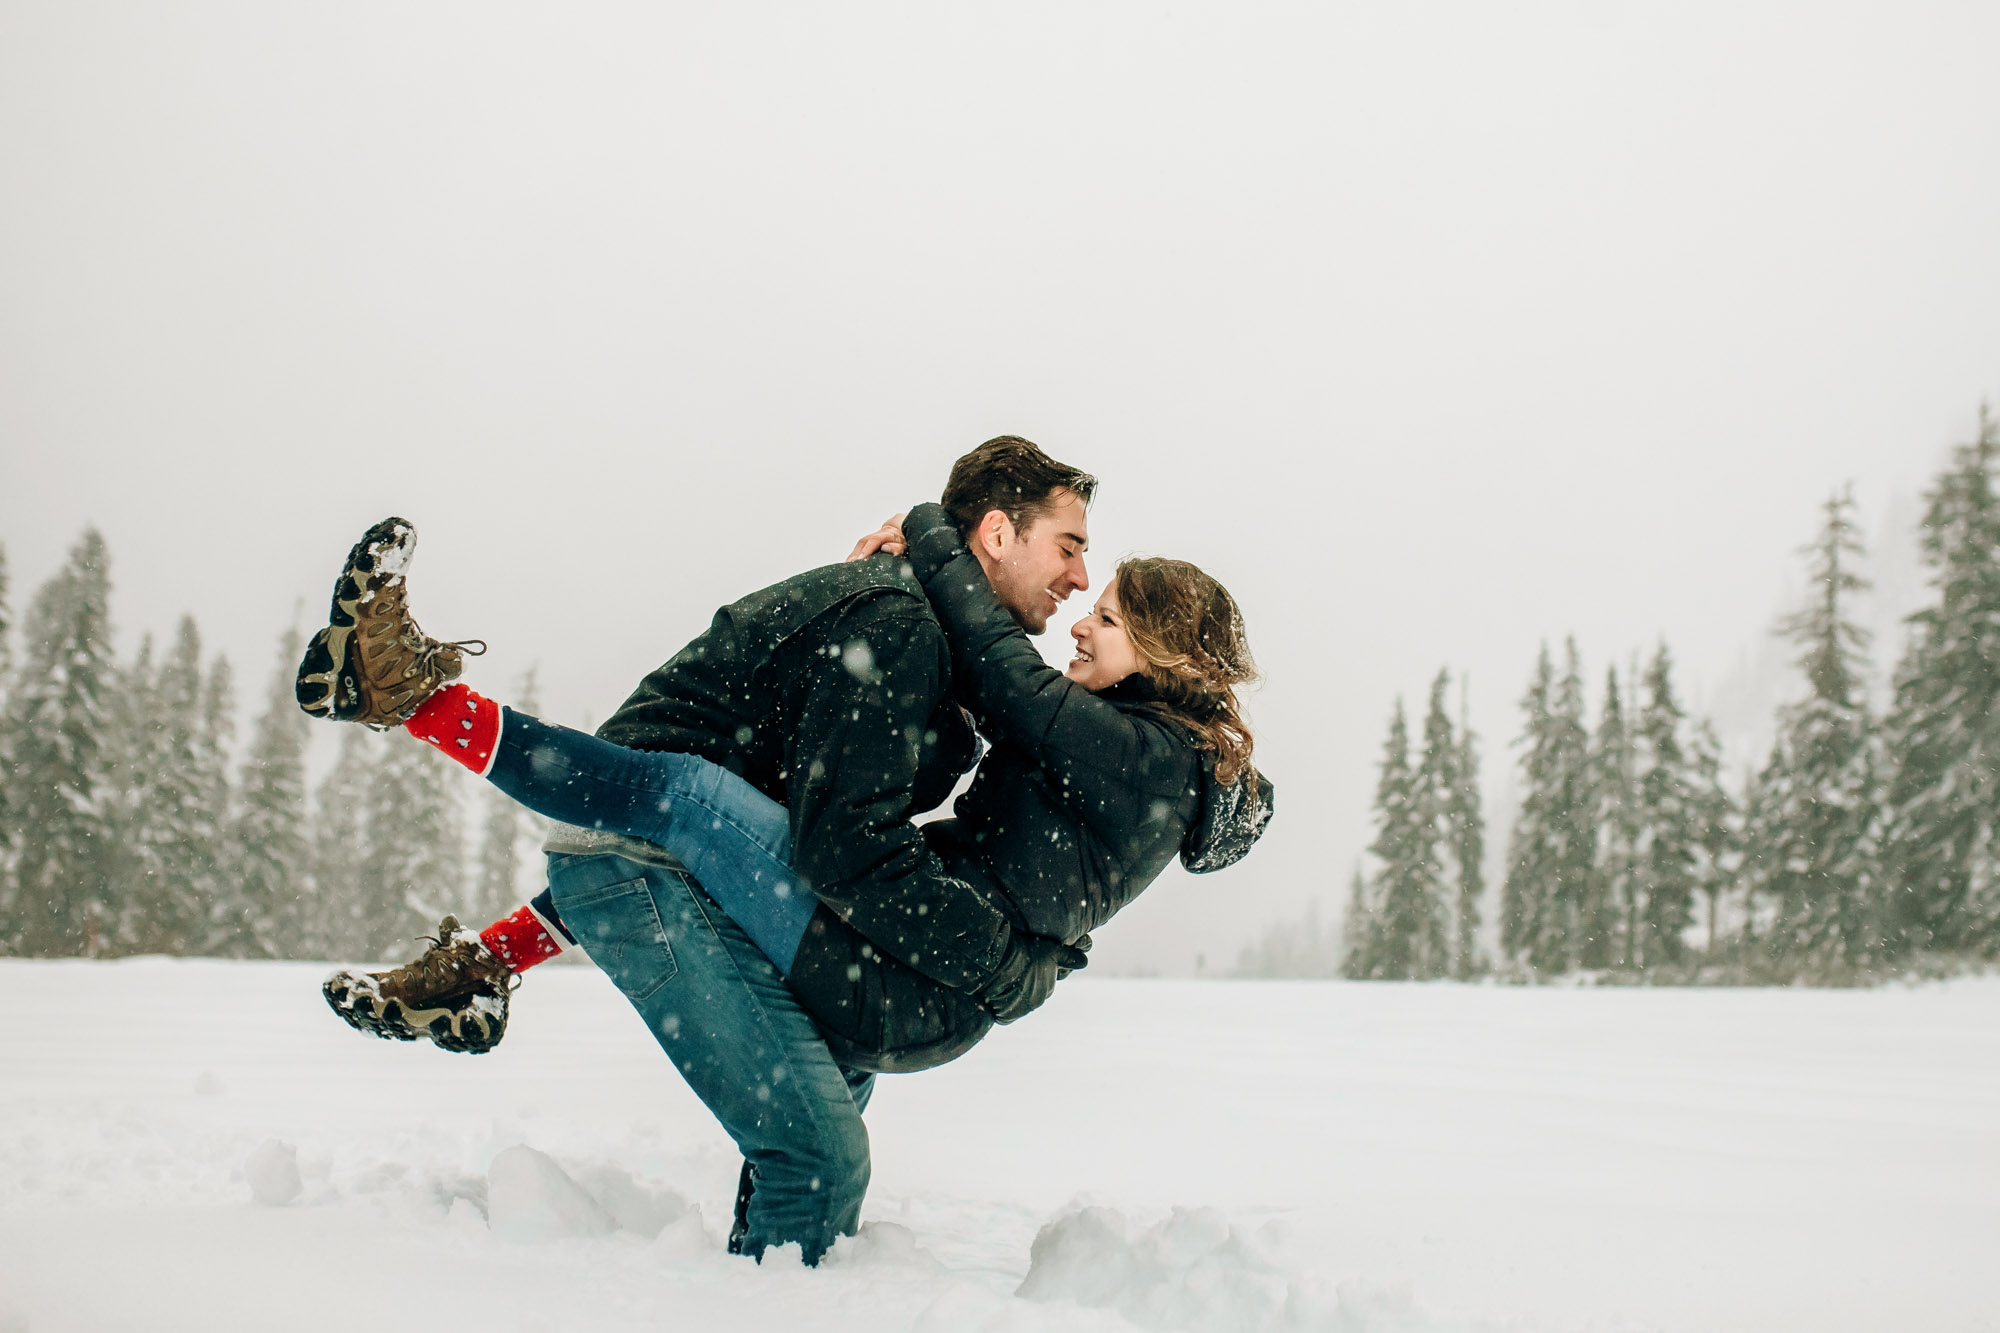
(831, 693)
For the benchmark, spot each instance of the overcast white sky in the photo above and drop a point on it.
(1433, 330)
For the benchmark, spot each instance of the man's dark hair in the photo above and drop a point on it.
(1014, 476)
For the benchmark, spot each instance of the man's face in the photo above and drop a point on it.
(1034, 569)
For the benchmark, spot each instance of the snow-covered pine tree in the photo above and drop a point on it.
(341, 923)
(1432, 835)
(131, 859)
(218, 884)
(1572, 822)
(1943, 841)
(1824, 873)
(267, 915)
(1718, 831)
(1468, 846)
(1531, 852)
(414, 870)
(57, 725)
(1610, 913)
(172, 834)
(1405, 889)
(1766, 793)
(1357, 931)
(1667, 852)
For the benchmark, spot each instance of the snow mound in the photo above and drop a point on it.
(882, 1245)
(272, 1170)
(529, 1197)
(685, 1242)
(1191, 1271)
(644, 1210)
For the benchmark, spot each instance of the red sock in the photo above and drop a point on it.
(522, 939)
(464, 725)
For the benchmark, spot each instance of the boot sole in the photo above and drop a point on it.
(464, 1030)
(327, 684)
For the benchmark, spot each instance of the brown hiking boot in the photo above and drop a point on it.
(371, 664)
(455, 994)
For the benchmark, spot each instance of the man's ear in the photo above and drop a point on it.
(994, 534)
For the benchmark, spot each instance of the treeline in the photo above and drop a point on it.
(1862, 848)
(127, 827)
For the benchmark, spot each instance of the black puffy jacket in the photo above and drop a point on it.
(1080, 804)
(830, 693)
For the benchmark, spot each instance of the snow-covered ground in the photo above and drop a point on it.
(1199, 1155)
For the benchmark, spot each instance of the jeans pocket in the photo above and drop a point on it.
(618, 925)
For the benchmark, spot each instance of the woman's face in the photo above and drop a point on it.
(1104, 651)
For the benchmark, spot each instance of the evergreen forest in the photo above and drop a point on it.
(125, 827)
(1862, 848)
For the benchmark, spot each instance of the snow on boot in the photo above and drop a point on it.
(371, 664)
(455, 994)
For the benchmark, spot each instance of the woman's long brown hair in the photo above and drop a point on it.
(1192, 646)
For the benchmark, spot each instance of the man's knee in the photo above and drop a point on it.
(843, 1164)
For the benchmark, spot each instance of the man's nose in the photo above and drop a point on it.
(1082, 576)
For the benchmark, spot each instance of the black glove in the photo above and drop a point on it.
(1026, 976)
(1082, 945)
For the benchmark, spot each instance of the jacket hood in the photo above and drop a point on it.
(1233, 817)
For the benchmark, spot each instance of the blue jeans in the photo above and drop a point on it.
(736, 840)
(728, 1020)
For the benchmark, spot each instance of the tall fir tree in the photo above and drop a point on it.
(217, 860)
(1717, 826)
(1762, 842)
(414, 868)
(1405, 890)
(1610, 912)
(1551, 849)
(1432, 835)
(1468, 845)
(1667, 853)
(267, 913)
(59, 789)
(172, 838)
(132, 858)
(1574, 820)
(1943, 840)
(1357, 931)
(1825, 877)
(1531, 851)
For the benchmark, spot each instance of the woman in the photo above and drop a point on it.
(1098, 776)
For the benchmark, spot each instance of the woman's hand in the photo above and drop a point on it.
(887, 539)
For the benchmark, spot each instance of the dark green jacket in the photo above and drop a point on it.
(830, 693)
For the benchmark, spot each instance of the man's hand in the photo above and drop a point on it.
(1026, 976)
(887, 538)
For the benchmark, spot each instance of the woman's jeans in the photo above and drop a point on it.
(707, 982)
(734, 839)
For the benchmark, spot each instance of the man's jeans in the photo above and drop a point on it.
(725, 1016)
